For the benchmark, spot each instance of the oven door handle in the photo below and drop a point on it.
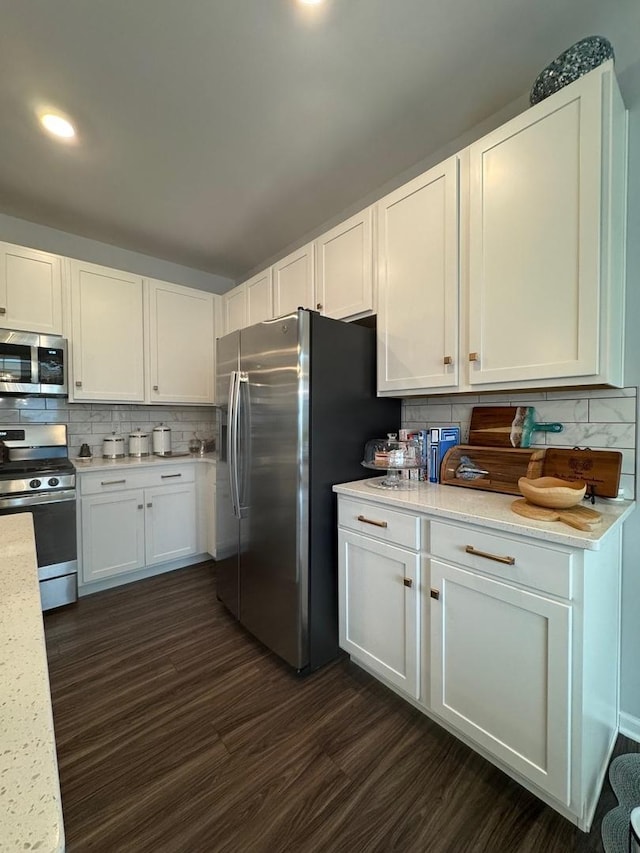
(38, 500)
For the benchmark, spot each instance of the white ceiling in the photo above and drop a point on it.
(215, 134)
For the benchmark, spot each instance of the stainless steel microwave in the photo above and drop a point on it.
(32, 364)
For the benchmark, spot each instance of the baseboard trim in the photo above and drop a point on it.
(141, 574)
(630, 726)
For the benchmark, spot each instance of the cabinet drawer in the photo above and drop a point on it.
(108, 480)
(399, 528)
(536, 566)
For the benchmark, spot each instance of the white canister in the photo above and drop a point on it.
(138, 443)
(162, 440)
(113, 446)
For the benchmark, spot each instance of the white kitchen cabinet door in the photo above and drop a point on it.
(181, 344)
(30, 290)
(535, 241)
(418, 284)
(344, 268)
(170, 522)
(379, 614)
(112, 534)
(234, 309)
(500, 672)
(259, 298)
(294, 282)
(106, 335)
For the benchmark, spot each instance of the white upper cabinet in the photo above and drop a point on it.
(344, 268)
(234, 309)
(30, 290)
(181, 344)
(259, 297)
(248, 303)
(106, 334)
(293, 282)
(418, 283)
(546, 236)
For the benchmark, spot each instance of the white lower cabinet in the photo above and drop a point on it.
(379, 616)
(170, 530)
(112, 534)
(510, 642)
(131, 520)
(500, 672)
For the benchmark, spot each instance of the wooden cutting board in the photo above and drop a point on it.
(505, 426)
(580, 517)
(600, 469)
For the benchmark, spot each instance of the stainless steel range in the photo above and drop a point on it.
(37, 476)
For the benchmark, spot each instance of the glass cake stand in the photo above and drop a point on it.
(392, 456)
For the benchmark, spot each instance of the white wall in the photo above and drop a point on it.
(46, 239)
(630, 691)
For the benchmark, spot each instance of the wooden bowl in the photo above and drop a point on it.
(552, 492)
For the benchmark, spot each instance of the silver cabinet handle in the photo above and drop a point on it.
(111, 482)
(509, 561)
(371, 521)
(149, 505)
(78, 383)
(435, 593)
(3, 310)
(447, 360)
(155, 387)
(474, 356)
(319, 306)
(169, 476)
(407, 582)
(140, 506)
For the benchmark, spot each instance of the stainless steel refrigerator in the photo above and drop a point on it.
(298, 402)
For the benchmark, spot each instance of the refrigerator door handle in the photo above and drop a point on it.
(232, 440)
(240, 460)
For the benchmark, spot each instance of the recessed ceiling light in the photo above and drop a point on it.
(309, 2)
(57, 125)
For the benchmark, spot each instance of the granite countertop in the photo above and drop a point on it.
(97, 463)
(30, 804)
(489, 509)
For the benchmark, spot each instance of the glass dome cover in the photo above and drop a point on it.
(392, 455)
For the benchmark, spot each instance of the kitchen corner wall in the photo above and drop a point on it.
(91, 422)
(603, 419)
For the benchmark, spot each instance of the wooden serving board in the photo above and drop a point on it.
(505, 426)
(599, 469)
(580, 517)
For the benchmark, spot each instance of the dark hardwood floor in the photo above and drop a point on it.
(178, 732)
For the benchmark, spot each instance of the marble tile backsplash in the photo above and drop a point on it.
(602, 419)
(91, 422)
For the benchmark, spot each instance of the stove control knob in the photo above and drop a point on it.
(53, 481)
(35, 484)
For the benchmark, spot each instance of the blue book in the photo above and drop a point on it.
(439, 440)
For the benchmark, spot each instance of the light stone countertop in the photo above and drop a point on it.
(30, 804)
(97, 463)
(489, 509)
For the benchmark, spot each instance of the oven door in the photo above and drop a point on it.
(18, 363)
(54, 523)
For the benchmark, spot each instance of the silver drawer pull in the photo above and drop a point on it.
(509, 561)
(111, 482)
(407, 582)
(3, 311)
(169, 476)
(371, 521)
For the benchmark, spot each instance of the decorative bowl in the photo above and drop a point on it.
(552, 492)
(579, 59)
